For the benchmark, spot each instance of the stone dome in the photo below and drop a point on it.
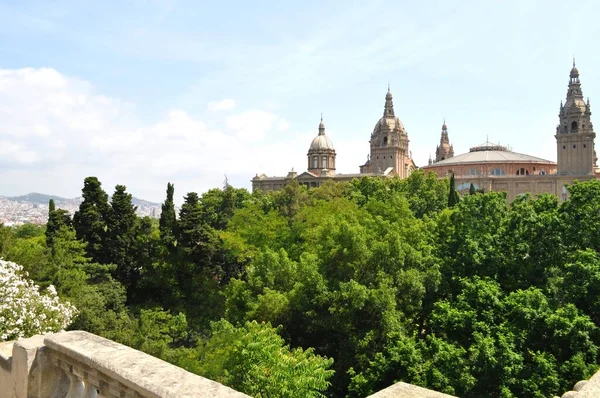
(574, 71)
(321, 142)
(388, 124)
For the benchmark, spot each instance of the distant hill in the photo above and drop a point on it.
(43, 199)
(38, 198)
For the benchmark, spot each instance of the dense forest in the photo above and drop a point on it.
(337, 291)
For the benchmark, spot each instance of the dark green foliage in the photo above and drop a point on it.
(168, 222)
(56, 220)
(120, 243)
(453, 197)
(91, 218)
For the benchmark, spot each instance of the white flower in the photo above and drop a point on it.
(24, 311)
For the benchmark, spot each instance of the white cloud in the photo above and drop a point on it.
(223, 105)
(56, 130)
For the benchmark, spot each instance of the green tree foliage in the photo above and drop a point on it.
(368, 282)
(168, 222)
(57, 218)
(453, 196)
(91, 218)
(120, 242)
(254, 359)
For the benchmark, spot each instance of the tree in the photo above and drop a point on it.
(193, 234)
(90, 220)
(168, 222)
(472, 190)
(57, 218)
(453, 197)
(254, 359)
(121, 237)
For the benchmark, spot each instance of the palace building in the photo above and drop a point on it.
(488, 166)
(389, 156)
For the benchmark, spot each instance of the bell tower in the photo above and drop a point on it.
(445, 150)
(575, 132)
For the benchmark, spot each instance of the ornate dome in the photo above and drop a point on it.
(388, 124)
(321, 142)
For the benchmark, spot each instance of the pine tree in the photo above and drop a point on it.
(168, 222)
(192, 233)
(121, 237)
(90, 220)
(56, 220)
(453, 197)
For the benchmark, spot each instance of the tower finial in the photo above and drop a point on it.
(388, 87)
(573, 61)
(321, 116)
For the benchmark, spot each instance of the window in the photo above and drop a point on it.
(574, 146)
(542, 172)
(522, 172)
(564, 193)
(385, 140)
(564, 147)
(443, 158)
(315, 162)
(585, 145)
(324, 162)
(473, 172)
(574, 126)
(497, 172)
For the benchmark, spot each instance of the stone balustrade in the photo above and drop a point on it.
(80, 364)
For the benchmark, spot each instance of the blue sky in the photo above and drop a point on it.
(141, 92)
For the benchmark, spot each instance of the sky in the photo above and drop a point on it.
(145, 92)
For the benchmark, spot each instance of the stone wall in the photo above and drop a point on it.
(81, 364)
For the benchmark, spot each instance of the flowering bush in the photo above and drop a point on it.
(24, 311)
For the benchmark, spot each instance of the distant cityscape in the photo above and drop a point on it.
(33, 208)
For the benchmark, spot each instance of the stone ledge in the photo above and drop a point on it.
(585, 388)
(143, 373)
(404, 390)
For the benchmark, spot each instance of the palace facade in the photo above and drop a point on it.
(488, 166)
(389, 156)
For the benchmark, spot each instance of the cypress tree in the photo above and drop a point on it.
(56, 220)
(168, 221)
(121, 237)
(192, 233)
(90, 220)
(472, 190)
(453, 197)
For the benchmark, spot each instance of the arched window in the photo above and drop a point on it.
(473, 172)
(324, 162)
(574, 126)
(385, 140)
(542, 172)
(315, 162)
(497, 172)
(522, 172)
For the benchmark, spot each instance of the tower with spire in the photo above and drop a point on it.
(321, 154)
(389, 144)
(575, 132)
(445, 150)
